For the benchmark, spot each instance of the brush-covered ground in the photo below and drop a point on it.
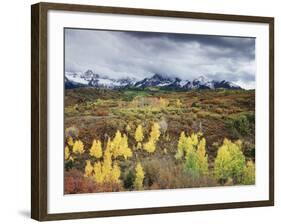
(121, 140)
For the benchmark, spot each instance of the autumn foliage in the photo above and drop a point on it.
(102, 166)
(230, 162)
(193, 149)
(78, 147)
(150, 145)
(138, 183)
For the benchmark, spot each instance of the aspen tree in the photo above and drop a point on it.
(66, 153)
(88, 169)
(181, 146)
(193, 149)
(78, 147)
(155, 132)
(230, 161)
(139, 134)
(119, 146)
(194, 139)
(125, 151)
(138, 183)
(149, 146)
(98, 173)
(70, 141)
(115, 174)
(96, 149)
(249, 173)
(107, 165)
(202, 157)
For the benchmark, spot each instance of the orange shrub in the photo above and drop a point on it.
(75, 182)
(69, 186)
(100, 112)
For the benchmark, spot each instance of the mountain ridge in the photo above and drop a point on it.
(91, 79)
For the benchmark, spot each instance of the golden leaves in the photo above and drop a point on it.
(96, 149)
(78, 147)
(138, 183)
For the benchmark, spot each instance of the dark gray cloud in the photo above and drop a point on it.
(139, 54)
(245, 46)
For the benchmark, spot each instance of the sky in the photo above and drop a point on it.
(120, 54)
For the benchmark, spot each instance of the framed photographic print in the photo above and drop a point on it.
(139, 111)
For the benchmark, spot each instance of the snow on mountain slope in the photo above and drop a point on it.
(90, 79)
(74, 77)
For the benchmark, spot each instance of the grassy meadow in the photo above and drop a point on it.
(127, 140)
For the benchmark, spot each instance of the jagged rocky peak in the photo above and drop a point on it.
(201, 79)
(91, 79)
(89, 74)
(155, 80)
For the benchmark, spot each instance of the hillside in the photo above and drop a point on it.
(218, 114)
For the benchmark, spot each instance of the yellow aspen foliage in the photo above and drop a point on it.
(98, 173)
(230, 161)
(96, 149)
(155, 132)
(193, 149)
(202, 157)
(178, 103)
(186, 144)
(249, 173)
(119, 146)
(66, 153)
(126, 152)
(115, 145)
(88, 169)
(107, 158)
(222, 168)
(181, 146)
(194, 139)
(107, 164)
(149, 146)
(70, 141)
(118, 137)
(138, 183)
(104, 171)
(109, 146)
(238, 143)
(139, 134)
(78, 147)
(191, 156)
(189, 145)
(115, 173)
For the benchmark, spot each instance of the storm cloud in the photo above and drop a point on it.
(119, 54)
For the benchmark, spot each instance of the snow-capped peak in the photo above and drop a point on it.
(202, 79)
(91, 79)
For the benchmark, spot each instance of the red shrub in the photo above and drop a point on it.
(69, 185)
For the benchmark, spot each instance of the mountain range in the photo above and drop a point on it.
(91, 79)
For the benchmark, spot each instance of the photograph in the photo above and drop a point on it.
(154, 110)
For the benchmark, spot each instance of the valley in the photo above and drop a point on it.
(209, 117)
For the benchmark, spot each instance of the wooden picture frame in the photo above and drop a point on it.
(39, 109)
